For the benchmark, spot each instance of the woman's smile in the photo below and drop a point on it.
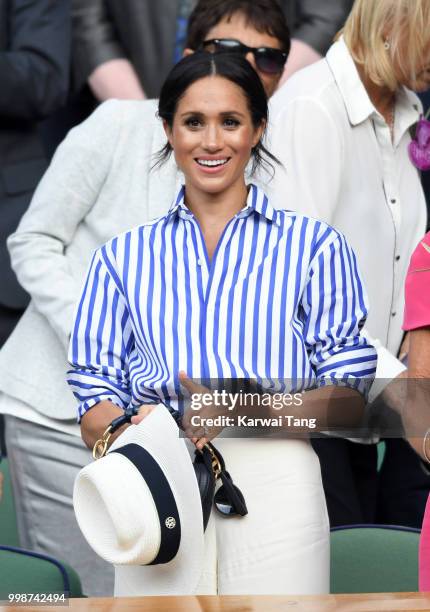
(212, 165)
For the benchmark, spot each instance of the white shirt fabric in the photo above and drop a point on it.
(340, 165)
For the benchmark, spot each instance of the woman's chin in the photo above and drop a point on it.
(210, 184)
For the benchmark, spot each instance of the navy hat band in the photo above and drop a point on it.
(170, 524)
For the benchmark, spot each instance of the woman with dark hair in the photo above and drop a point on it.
(74, 211)
(192, 295)
(257, 30)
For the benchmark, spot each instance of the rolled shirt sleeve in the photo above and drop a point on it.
(102, 338)
(335, 309)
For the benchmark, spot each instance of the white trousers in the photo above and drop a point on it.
(282, 545)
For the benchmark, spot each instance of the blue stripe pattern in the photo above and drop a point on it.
(281, 300)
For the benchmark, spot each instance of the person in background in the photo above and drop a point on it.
(35, 41)
(78, 206)
(415, 412)
(342, 130)
(219, 26)
(313, 25)
(125, 49)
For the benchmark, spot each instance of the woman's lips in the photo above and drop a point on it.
(212, 165)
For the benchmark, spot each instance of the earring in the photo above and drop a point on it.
(386, 44)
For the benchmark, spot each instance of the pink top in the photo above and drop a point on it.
(417, 287)
(417, 314)
(424, 552)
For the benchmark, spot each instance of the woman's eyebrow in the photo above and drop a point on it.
(194, 113)
(223, 114)
(230, 113)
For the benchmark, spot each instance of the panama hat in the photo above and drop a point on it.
(139, 508)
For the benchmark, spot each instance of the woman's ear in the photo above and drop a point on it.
(168, 132)
(187, 51)
(258, 133)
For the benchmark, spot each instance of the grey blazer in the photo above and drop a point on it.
(98, 185)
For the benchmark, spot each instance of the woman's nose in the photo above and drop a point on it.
(213, 139)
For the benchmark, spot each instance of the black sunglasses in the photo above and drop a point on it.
(228, 499)
(267, 59)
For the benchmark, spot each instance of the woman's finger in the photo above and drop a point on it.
(200, 443)
(190, 385)
(145, 409)
(142, 413)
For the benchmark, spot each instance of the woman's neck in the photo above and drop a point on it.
(382, 98)
(215, 209)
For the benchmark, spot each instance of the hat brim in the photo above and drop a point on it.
(121, 527)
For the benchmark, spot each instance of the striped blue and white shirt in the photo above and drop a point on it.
(281, 299)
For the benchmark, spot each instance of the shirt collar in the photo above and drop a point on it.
(357, 102)
(408, 110)
(256, 201)
(179, 205)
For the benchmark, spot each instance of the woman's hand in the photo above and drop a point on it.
(95, 422)
(116, 78)
(200, 434)
(415, 411)
(142, 413)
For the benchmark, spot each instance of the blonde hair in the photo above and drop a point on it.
(405, 24)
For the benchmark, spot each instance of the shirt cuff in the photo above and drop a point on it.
(90, 403)
(388, 368)
(362, 385)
